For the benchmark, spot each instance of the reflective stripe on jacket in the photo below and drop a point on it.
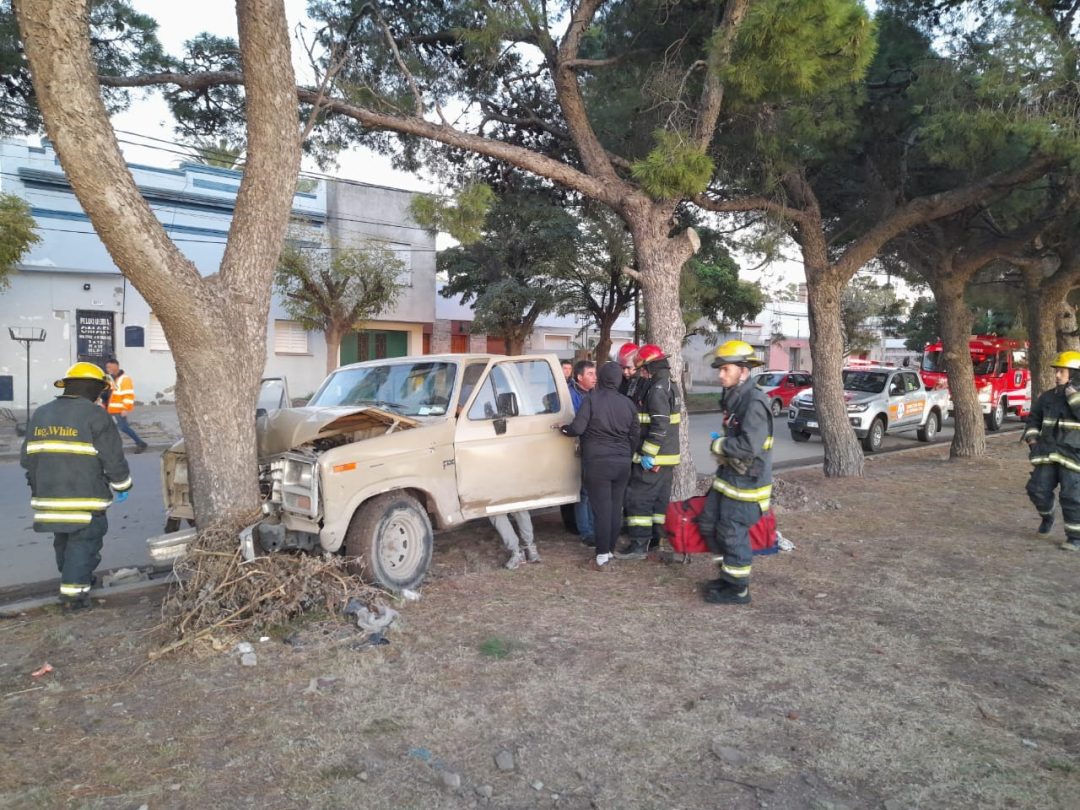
(122, 396)
(74, 462)
(660, 410)
(748, 440)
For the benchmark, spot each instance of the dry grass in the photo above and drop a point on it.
(948, 634)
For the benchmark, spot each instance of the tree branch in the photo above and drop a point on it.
(519, 156)
(568, 93)
(720, 50)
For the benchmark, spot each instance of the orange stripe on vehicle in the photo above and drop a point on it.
(344, 467)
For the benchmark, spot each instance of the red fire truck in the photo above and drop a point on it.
(1002, 377)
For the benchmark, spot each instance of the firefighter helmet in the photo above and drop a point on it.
(647, 354)
(82, 371)
(737, 352)
(1069, 359)
(625, 355)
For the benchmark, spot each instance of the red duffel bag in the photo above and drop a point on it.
(682, 530)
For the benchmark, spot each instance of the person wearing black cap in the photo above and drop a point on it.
(742, 485)
(75, 465)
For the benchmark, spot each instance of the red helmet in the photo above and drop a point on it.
(625, 356)
(648, 353)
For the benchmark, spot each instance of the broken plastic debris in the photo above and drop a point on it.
(244, 647)
(410, 596)
(45, 669)
(368, 620)
(783, 543)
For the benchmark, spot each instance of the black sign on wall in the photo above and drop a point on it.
(134, 337)
(7, 388)
(95, 341)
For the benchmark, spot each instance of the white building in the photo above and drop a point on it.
(69, 286)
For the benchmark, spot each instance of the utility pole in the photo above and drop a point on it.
(26, 335)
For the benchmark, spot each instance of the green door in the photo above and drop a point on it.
(373, 344)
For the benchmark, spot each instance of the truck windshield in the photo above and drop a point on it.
(931, 361)
(412, 389)
(870, 382)
(984, 364)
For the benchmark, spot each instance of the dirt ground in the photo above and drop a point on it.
(919, 649)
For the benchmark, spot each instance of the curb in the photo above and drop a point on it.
(13, 609)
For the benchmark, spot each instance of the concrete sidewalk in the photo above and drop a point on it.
(158, 425)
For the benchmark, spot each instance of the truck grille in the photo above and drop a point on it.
(807, 413)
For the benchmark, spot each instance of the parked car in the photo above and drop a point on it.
(782, 386)
(880, 400)
(388, 450)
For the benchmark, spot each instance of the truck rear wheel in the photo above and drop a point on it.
(996, 417)
(392, 537)
(876, 435)
(928, 431)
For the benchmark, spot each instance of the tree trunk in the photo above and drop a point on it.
(843, 456)
(515, 344)
(333, 336)
(969, 438)
(216, 326)
(1066, 327)
(603, 345)
(659, 261)
(1042, 331)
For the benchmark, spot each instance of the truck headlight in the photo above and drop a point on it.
(985, 393)
(295, 484)
(857, 407)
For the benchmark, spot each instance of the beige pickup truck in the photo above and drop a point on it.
(387, 449)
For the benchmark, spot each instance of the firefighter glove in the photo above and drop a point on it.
(120, 497)
(647, 463)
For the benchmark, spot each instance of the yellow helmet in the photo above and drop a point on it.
(82, 371)
(1069, 359)
(738, 352)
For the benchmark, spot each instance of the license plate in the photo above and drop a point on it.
(811, 424)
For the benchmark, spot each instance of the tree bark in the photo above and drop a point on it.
(1041, 331)
(209, 322)
(969, 436)
(333, 334)
(659, 261)
(843, 455)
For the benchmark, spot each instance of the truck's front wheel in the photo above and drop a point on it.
(996, 417)
(876, 435)
(392, 536)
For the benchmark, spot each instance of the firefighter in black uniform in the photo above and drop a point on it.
(1053, 436)
(75, 466)
(653, 465)
(743, 480)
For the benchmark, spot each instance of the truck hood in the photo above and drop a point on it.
(807, 397)
(287, 428)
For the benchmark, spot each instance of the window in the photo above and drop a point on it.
(290, 338)
(528, 384)
(155, 335)
(557, 342)
(911, 383)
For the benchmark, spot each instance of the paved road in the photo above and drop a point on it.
(29, 559)
(28, 556)
(787, 453)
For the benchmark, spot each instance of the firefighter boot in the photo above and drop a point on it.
(732, 594)
(1047, 524)
(1071, 544)
(637, 550)
(76, 603)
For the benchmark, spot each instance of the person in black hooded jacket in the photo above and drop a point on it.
(608, 426)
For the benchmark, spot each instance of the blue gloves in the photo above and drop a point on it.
(647, 463)
(120, 497)
(714, 435)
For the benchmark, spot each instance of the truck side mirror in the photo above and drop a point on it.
(506, 404)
